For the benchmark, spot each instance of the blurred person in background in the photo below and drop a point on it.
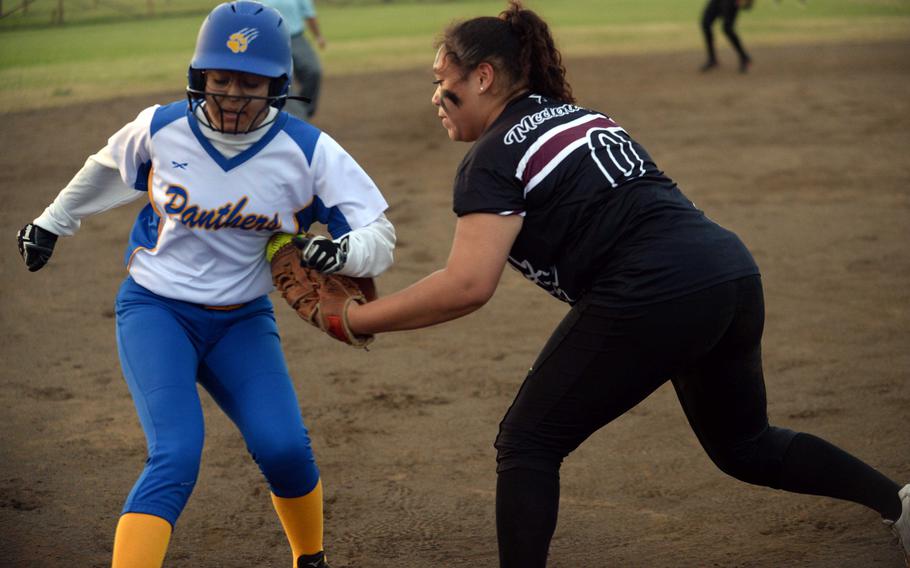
(727, 10)
(307, 68)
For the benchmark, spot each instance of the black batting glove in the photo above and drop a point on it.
(323, 254)
(35, 245)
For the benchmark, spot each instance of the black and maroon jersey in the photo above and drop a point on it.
(599, 216)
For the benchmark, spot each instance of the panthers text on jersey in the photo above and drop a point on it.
(202, 236)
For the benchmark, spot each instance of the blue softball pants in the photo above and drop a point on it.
(167, 346)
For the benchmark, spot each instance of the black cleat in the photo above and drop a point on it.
(744, 65)
(708, 66)
(312, 561)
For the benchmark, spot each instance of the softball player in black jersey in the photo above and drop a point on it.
(658, 291)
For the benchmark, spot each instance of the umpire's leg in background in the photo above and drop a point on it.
(307, 77)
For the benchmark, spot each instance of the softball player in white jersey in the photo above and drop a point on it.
(222, 173)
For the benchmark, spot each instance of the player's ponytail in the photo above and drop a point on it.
(540, 61)
(517, 44)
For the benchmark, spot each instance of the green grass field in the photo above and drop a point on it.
(58, 65)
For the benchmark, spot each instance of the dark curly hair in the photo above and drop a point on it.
(517, 43)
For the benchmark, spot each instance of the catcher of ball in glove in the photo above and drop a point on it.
(319, 299)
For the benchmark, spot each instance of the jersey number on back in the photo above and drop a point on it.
(614, 152)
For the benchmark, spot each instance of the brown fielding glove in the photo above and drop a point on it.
(319, 299)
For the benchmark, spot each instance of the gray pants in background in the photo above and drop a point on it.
(307, 77)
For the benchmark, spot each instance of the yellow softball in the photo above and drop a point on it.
(277, 241)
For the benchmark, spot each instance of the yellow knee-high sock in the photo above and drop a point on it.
(301, 518)
(140, 541)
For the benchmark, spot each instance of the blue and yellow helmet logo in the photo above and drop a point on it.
(240, 41)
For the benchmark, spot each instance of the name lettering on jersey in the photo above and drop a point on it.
(530, 122)
(239, 41)
(546, 279)
(228, 216)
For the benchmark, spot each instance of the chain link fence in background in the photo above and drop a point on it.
(39, 13)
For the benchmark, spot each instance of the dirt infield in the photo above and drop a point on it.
(806, 158)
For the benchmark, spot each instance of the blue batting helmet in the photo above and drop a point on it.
(243, 36)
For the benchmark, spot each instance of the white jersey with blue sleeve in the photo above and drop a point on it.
(201, 237)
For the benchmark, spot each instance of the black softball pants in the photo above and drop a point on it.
(726, 10)
(601, 362)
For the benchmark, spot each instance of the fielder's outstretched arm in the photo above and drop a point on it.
(479, 253)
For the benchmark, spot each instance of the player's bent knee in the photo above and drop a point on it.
(523, 453)
(178, 462)
(289, 468)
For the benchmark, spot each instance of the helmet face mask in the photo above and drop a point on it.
(244, 37)
(213, 107)
(213, 114)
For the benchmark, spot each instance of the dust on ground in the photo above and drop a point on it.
(805, 158)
